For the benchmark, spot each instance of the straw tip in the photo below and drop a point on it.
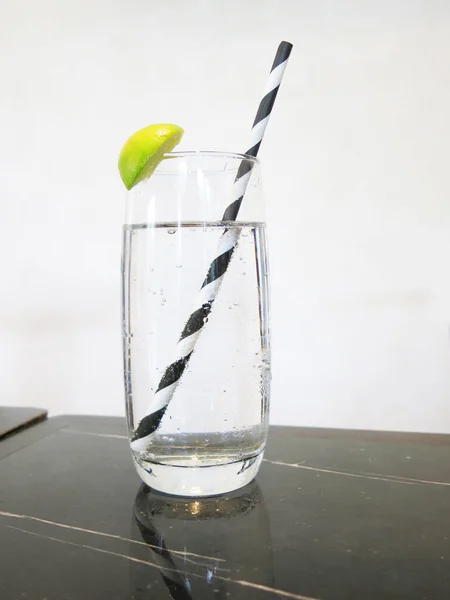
(283, 53)
(286, 45)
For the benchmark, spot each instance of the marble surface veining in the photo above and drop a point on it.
(329, 517)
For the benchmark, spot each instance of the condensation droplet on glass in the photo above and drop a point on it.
(235, 303)
(241, 258)
(161, 291)
(152, 269)
(171, 231)
(224, 390)
(230, 307)
(244, 273)
(178, 266)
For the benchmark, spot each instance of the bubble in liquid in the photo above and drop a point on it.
(171, 231)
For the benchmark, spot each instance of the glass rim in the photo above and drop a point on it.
(212, 154)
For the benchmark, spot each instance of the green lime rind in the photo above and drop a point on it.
(145, 149)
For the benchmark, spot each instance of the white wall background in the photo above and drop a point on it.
(356, 169)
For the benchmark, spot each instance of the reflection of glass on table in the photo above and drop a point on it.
(201, 547)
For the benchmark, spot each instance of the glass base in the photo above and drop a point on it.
(198, 481)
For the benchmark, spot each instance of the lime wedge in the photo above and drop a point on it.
(145, 149)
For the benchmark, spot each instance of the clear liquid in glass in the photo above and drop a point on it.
(216, 422)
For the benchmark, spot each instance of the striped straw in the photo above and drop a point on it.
(218, 266)
(177, 583)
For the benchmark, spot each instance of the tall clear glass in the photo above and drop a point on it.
(196, 341)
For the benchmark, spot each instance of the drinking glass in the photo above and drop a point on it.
(196, 343)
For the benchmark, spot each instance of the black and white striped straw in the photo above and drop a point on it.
(213, 280)
(176, 581)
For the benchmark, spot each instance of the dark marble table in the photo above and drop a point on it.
(333, 515)
(14, 419)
